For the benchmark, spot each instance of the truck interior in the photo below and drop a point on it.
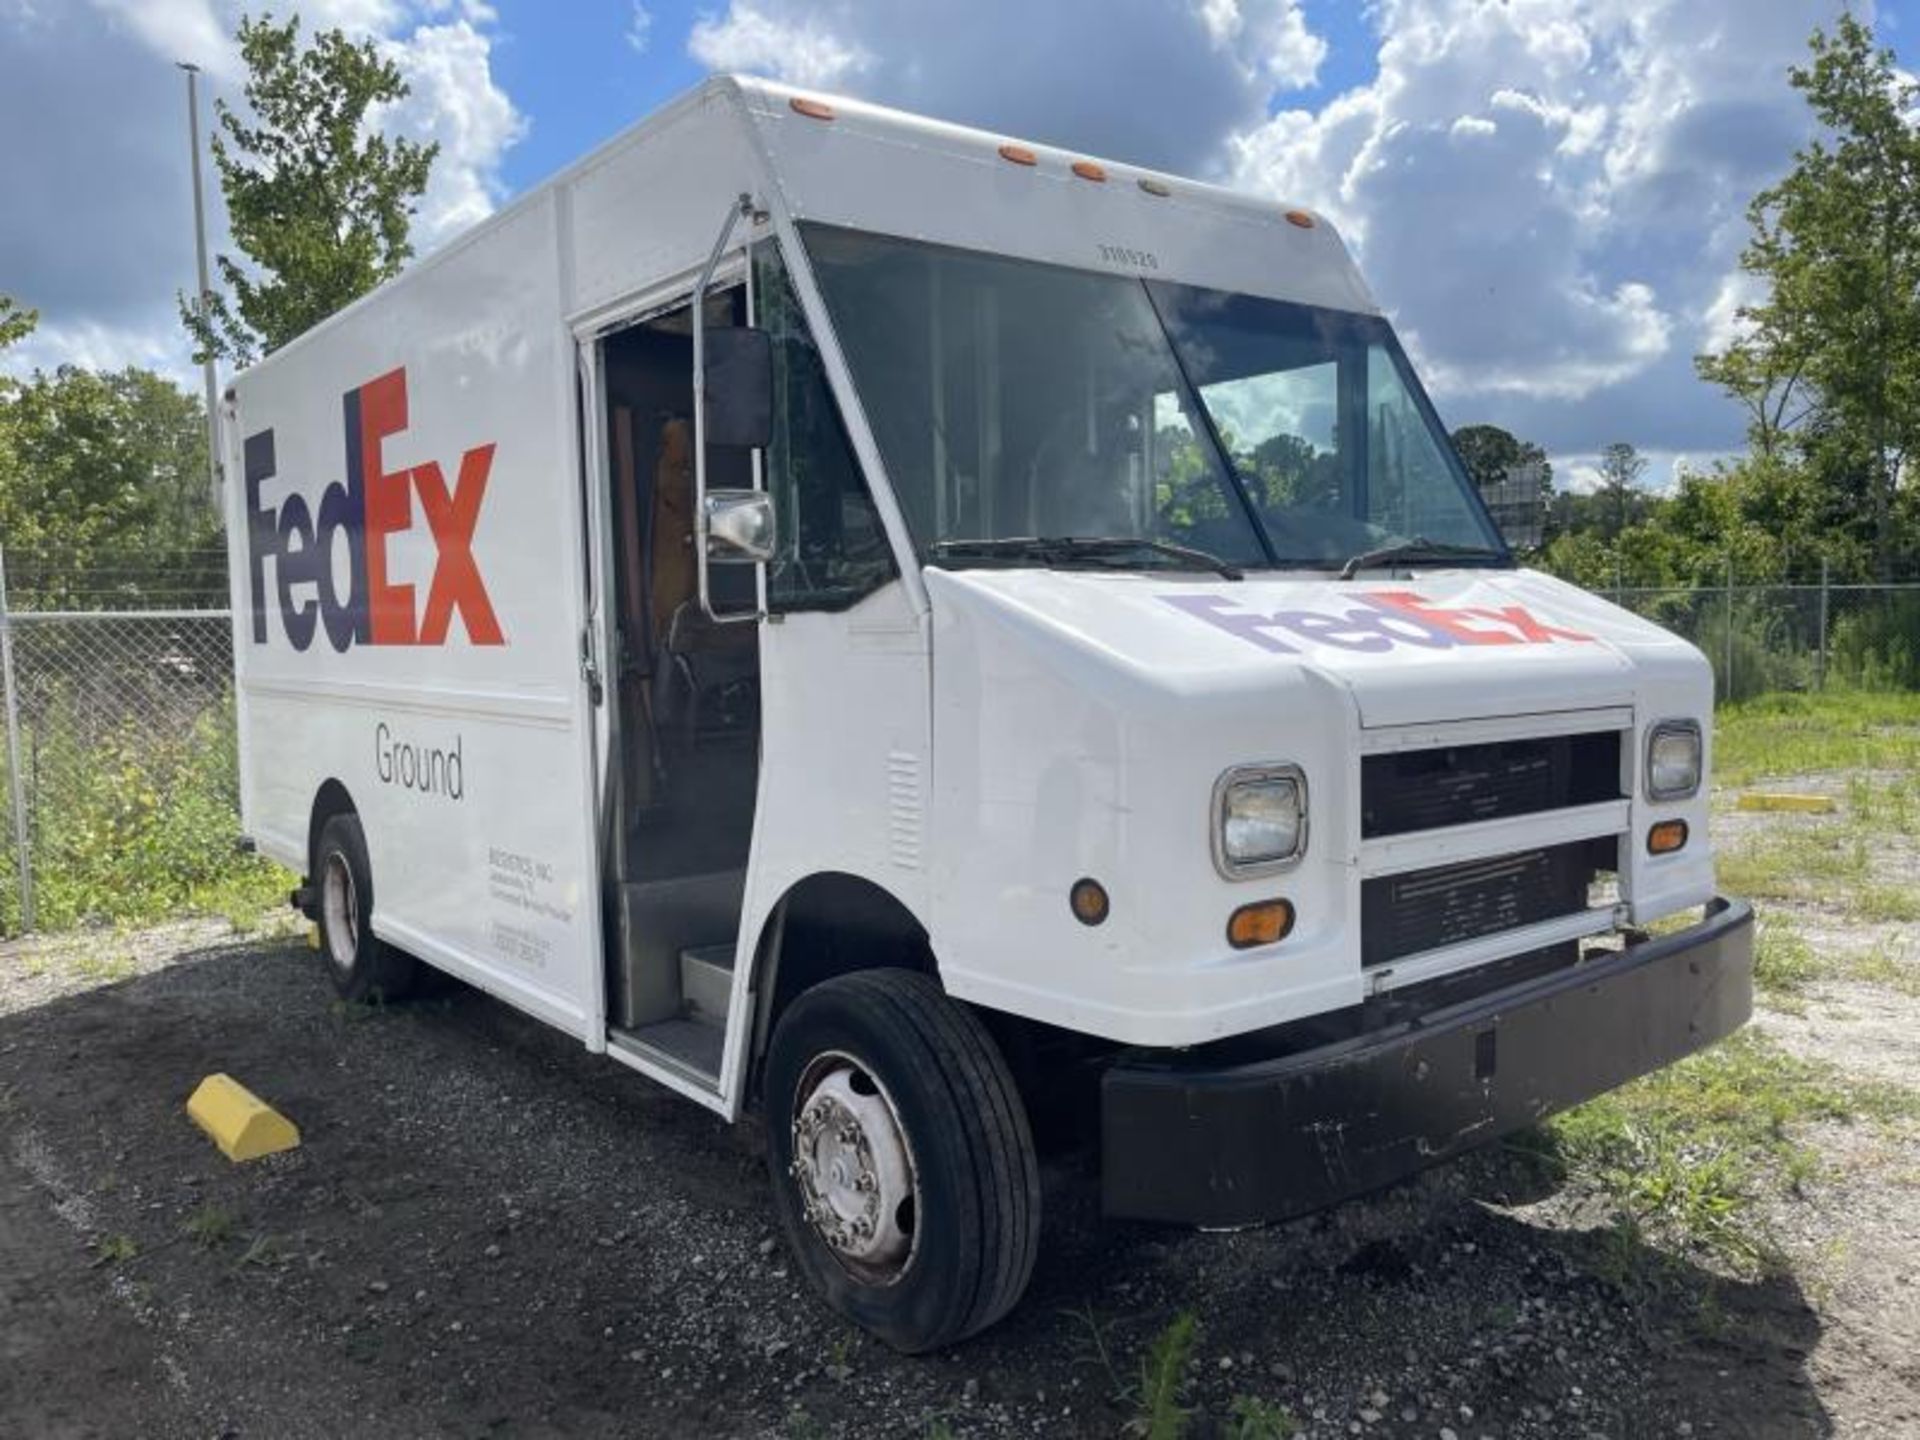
(686, 698)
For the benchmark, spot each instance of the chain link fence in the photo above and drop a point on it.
(1767, 638)
(120, 766)
(121, 778)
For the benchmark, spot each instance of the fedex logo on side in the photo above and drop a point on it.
(372, 504)
(1382, 620)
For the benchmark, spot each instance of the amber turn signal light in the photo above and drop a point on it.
(1018, 155)
(1087, 170)
(1666, 837)
(812, 109)
(1089, 901)
(1262, 923)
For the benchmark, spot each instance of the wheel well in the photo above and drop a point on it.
(827, 925)
(331, 800)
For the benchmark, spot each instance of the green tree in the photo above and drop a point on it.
(1831, 358)
(318, 201)
(16, 321)
(103, 485)
(1491, 454)
(1618, 501)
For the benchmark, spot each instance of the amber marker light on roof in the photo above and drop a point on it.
(1018, 155)
(1087, 170)
(1300, 218)
(812, 109)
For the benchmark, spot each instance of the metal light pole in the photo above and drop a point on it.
(206, 290)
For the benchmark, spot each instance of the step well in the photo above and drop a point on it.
(706, 981)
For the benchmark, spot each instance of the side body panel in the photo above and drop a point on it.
(406, 556)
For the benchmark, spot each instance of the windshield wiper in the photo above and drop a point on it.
(1418, 548)
(1053, 549)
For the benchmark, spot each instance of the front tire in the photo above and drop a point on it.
(361, 967)
(902, 1165)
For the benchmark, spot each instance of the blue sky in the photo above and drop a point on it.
(1546, 195)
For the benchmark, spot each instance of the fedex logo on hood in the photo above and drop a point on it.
(373, 504)
(1379, 621)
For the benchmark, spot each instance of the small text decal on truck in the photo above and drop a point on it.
(372, 504)
(1382, 620)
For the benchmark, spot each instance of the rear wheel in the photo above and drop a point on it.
(902, 1166)
(360, 965)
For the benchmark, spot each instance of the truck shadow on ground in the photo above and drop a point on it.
(488, 1231)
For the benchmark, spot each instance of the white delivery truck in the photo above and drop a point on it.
(927, 638)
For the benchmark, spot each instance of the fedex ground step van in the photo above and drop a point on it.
(934, 641)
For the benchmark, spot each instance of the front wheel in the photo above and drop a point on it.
(902, 1165)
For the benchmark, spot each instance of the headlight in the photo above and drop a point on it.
(1673, 760)
(1260, 819)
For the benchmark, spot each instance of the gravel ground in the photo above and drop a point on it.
(489, 1232)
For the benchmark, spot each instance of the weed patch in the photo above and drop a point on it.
(1839, 730)
(1689, 1150)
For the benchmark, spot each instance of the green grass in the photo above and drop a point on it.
(1255, 1419)
(210, 1227)
(1783, 962)
(1797, 860)
(134, 823)
(1158, 1412)
(1793, 735)
(1688, 1151)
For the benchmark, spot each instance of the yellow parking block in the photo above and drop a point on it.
(243, 1125)
(1805, 804)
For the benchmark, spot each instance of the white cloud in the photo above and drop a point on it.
(640, 28)
(454, 101)
(1155, 82)
(799, 49)
(102, 261)
(96, 345)
(1548, 196)
(190, 30)
(1269, 39)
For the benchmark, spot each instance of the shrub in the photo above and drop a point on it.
(132, 823)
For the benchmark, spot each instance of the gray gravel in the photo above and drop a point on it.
(488, 1231)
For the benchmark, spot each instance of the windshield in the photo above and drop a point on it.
(1013, 399)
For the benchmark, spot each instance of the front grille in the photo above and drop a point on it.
(1407, 790)
(1426, 909)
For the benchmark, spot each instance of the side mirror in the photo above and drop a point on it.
(739, 385)
(740, 528)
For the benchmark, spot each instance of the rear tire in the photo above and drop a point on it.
(902, 1166)
(361, 967)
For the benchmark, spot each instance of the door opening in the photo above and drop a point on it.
(688, 697)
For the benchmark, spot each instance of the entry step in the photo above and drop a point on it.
(706, 980)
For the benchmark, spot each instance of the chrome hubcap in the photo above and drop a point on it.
(340, 911)
(857, 1183)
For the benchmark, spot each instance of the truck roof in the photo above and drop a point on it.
(644, 207)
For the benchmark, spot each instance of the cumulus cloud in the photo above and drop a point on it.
(94, 84)
(798, 46)
(1548, 197)
(1158, 83)
(454, 101)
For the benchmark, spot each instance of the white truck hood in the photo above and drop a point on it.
(1450, 645)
